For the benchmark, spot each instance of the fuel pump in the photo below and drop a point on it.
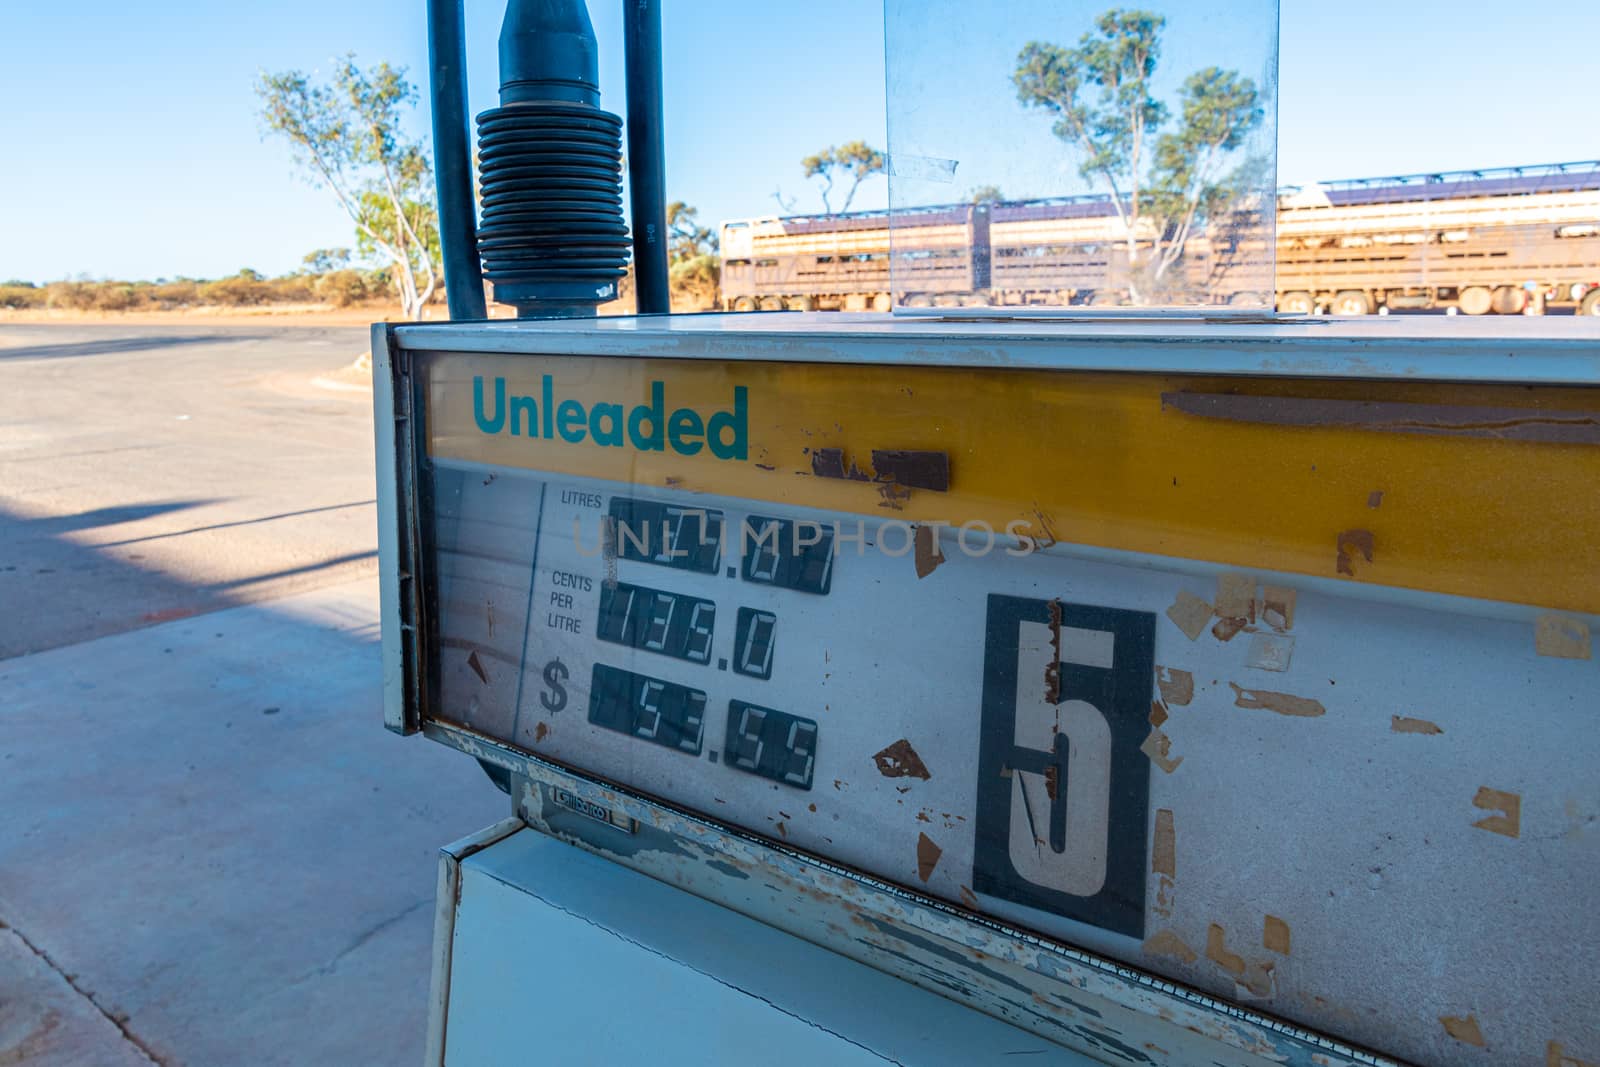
(933, 689)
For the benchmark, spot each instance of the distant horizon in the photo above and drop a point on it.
(177, 182)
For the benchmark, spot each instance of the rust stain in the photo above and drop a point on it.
(783, 831)
(1555, 1055)
(1464, 1030)
(1277, 607)
(1275, 935)
(900, 760)
(671, 482)
(1158, 713)
(1190, 614)
(1236, 596)
(766, 466)
(1167, 943)
(1052, 671)
(1561, 636)
(1177, 687)
(912, 469)
(969, 898)
(928, 855)
(1227, 629)
(1164, 852)
(1217, 951)
(1282, 703)
(1052, 781)
(811, 807)
(477, 667)
(1375, 499)
(1402, 725)
(927, 555)
(489, 610)
(1348, 544)
(540, 732)
(1158, 747)
(1508, 808)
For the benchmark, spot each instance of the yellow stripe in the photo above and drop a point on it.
(1097, 459)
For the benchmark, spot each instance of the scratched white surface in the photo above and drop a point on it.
(1360, 838)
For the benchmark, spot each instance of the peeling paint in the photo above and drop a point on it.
(1270, 652)
(1402, 725)
(1217, 951)
(1236, 596)
(927, 555)
(1464, 1030)
(1282, 703)
(1375, 499)
(1177, 687)
(912, 469)
(1351, 542)
(1508, 821)
(1229, 628)
(1158, 713)
(1163, 852)
(477, 667)
(1166, 943)
(1555, 1055)
(1561, 636)
(540, 732)
(1277, 607)
(1158, 746)
(899, 760)
(1275, 935)
(1190, 614)
(928, 854)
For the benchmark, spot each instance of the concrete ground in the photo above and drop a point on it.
(210, 850)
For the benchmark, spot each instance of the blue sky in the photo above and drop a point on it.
(129, 145)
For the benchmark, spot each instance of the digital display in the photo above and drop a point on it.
(753, 642)
(686, 539)
(668, 714)
(673, 624)
(789, 555)
(773, 744)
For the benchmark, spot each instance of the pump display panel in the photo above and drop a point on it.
(1108, 657)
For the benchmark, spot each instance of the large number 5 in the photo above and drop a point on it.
(1070, 858)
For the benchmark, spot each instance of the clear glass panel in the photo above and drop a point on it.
(1070, 155)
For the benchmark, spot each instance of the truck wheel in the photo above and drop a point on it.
(882, 302)
(919, 300)
(1351, 302)
(1590, 304)
(802, 303)
(744, 303)
(1509, 300)
(1296, 303)
(1475, 300)
(772, 303)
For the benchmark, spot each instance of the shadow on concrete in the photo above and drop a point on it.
(88, 520)
(116, 344)
(55, 591)
(241, 522)
(207, 830)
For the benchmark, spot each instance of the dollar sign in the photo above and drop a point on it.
(556, 697)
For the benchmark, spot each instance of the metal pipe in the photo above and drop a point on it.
(647, 181)
(452, 159)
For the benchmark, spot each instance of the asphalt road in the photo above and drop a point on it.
(148, 473)
(210, 850)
